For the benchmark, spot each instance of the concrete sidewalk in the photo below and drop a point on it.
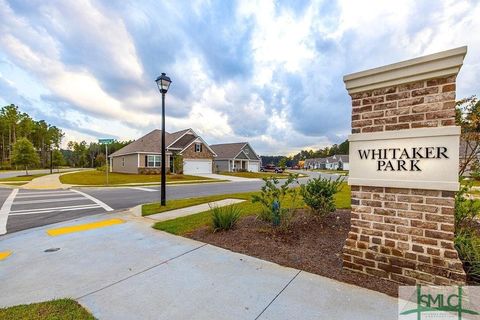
(131, 271)
(225, 177)
(51, 181)
(172, 214)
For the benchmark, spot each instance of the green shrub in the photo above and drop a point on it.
(467, 243)
(467, 209)
(272, 199)
(225, 218)
(467, 238)
(319, 193)
(102, 168)
(178, 164)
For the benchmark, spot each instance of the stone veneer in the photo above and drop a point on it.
(404, 235)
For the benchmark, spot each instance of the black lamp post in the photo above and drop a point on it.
(163, 83)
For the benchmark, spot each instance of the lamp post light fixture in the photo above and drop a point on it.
(163, 83)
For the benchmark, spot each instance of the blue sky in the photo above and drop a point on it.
(268, 72)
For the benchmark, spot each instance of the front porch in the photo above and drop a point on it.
(238, 165)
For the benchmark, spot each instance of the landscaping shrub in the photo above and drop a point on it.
(272, 200)
(466, 208)
(467, 243)
(178, 164)
(467, 232)
(225, 218)
(319, 193)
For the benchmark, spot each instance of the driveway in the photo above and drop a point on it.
(131, 271)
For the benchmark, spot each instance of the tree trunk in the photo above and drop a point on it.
(10, 145)
(26, 170)
(42, 152)
(3, 147)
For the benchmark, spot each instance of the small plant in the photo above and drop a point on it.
(225, 218)
(467, 243)
(467, 209)
(272, 199)
(319, 193)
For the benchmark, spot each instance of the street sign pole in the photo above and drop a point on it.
(106, 142)
(106, 160)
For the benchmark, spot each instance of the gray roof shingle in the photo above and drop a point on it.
(228, 150)
(152, 142)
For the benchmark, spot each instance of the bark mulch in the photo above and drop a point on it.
(310, 244)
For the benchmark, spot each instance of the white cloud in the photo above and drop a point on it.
(287, 93)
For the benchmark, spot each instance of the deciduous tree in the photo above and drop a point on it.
(24, 154)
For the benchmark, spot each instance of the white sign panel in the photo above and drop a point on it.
(426, 158)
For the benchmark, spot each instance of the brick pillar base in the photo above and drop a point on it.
(404, 235)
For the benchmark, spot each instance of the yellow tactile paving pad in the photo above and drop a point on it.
(5, 254)
(84, 227)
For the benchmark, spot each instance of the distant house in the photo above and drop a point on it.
(335, 162)
(315, 163)
(235, 157)
(144, 154)
(469, 154)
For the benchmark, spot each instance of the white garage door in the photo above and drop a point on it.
(191, 166)
(253, 166)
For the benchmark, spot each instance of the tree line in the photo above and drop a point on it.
(15, 126)
(291, 161)
(27, 143)
(92, 155)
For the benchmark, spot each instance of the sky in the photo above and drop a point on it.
(266, 72)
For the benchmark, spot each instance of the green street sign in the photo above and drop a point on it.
(105, 141)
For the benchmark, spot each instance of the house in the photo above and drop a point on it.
(235, 157)
(144, 154)
(315, 163)
(469, 155)
(337, 162)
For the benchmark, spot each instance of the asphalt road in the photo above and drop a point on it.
(25, 209)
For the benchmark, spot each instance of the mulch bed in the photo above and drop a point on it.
(310, 244)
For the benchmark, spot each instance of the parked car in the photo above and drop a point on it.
(271, 168)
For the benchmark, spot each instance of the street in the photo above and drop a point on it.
(16, 173)
(25, 209)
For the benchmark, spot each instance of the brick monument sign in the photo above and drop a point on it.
(404, 156)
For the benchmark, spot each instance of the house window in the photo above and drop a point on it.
(198, 147)
(153, 161)
(123, 161)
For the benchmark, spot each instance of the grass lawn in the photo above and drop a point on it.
(258, 175)
(95, 177)
(187, 224)
(30, 177)
(55, 309)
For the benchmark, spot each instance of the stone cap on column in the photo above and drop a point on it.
(431, 66)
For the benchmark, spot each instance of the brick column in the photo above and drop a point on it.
(404, 234)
